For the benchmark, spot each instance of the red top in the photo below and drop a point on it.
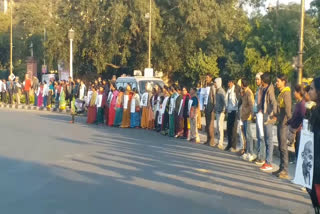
(27, 85)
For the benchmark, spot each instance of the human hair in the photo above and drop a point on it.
(299, 89)
(194, 89)
(245, 83)
(121, 89)
(266, 78)
(314, 121)
(307, 89)
(135, 90)
(283, 78)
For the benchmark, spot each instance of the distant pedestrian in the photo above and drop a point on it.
(135, 109)
(246, 117)
(172, 106)
(268, 107)
(112, 103)
(100, 106)
(40, 95)
(209, 111)
(3, 91)
(194, 135)
(119, 108)
(126, 108)
(92, 109)
(231, 109)
(27, 88)
(295, 123)
(35, 87)
(261, 148)
(283, 116)
(219, 109)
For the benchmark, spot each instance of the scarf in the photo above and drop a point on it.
(93, 99)
(280, 97)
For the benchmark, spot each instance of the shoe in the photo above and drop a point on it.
(197, 140)
(227, 148)
(283, 175)
(244, 156)
(220, 147)
(241, 152)
(233, 150)
(260, 162)
(252, 158)
(266, 167)
(276, 172)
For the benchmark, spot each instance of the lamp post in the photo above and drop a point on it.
(11, 40)
(71, 37)
(149, 16)
(300, 66)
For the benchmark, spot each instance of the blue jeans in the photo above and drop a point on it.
(248, 136)
(268, 132)
(45, 101)
(261, 146)
(35, 100)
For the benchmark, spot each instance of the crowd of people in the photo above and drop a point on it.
(175, 111)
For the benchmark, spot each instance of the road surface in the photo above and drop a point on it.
(49, 166)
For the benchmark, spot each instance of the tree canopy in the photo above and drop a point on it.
(190, 38)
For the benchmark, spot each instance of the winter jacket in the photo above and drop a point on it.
(284, 112)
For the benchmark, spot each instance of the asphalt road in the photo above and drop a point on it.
(49, 166)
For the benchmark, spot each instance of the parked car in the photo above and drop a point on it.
(138, 82)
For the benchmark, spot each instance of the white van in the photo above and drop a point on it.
(138, 82)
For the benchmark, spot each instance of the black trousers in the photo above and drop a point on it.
(232, 130)
(282, 133)
(26, 93)
(297, 144)
(210, 116)
(10, 101)
(3, 97)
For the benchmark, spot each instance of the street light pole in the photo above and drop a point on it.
(301, 43)
(276, 34)
(71, 37)
(11, 40)
(150, 25)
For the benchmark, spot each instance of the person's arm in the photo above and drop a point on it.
(287, 103)
(274, 103)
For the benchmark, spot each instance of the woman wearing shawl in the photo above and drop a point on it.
(119, 108)
(183, 115)
(92, 109)
(172, 106)
(112, 101)
(135, 110)
(164, 111)
(151, 106)
(100, 105)
(126, 107)
(40, 95)
(144, 104)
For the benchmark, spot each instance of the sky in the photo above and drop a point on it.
(273, 2)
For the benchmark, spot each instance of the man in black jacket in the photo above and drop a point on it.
(209, 111)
